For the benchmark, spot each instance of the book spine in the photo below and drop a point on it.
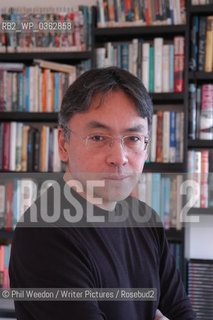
(172, 145)
(204, 179)
(167, 220)
(154, 137)
(178, 63)
(159, 149)
(145, 65)
(158, 50)
(165, 68)
(151, 69)
(156, 182)
(209, 44)
(9, 206)
(192, 111)
(171, 68)
(124, 56)
(166, 134)
(194, 44)
(6, 147)
(197, 177)
(12, 146)
(202, 44)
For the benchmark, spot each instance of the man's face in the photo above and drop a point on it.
(116, 166)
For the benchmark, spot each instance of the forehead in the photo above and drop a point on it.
(115, 110)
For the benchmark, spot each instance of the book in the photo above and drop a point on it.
(209, 44)
(194, 44)
(206, 112)
(159, 150)
(179, 57)
(204, 179)
(202, 43)
(158, 55)
(165, 68)
(145, 64)
(192, 111)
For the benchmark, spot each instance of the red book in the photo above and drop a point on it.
(159, 147)
(204, 179)
(179, 57)
(6, 147)
(9, 205)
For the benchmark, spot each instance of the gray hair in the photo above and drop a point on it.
(78, 96)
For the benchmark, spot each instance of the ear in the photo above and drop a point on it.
(62, 146)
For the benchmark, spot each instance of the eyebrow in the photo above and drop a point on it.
(99, 125)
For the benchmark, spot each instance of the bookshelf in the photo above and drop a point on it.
(99, 37)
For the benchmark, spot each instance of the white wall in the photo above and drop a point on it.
(199, 238)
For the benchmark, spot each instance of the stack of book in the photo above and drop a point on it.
(159, 64)
(4, 264)
(121, 13)
(201, 50)
(200, 287)
(199, 178)
(167, 137)
(162, 193)
(201, 111)
(37, 88)
(45, 29)
(28, 148)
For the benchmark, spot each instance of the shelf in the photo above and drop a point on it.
(8, 313)
(175, 235)
(52, 56)
(29, 116)
(164, 167)
(4, 234)
(154, 31)
(200, 143)
(201, 10)
(200, 75)
(167, 97)
(200, 211)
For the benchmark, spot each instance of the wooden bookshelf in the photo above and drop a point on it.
(200, 75)
(201, 9)
(206, 144)
(29, 116)
(52, 56)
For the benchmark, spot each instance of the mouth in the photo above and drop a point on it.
(116, 178)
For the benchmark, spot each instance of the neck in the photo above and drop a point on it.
(79, 188)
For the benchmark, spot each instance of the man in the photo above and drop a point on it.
(105, 120)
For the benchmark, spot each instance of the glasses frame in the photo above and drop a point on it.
(85, 139)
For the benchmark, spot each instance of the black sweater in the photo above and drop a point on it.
(98, 257)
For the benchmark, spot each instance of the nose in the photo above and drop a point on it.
(117, 155)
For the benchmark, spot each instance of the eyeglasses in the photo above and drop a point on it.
(95, 142)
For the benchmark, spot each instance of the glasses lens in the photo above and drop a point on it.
(135, 143)
(98, 141)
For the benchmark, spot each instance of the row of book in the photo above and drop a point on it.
(201, 111)
(201, 48)
(200, 174)
(4, 265)
(159, 65)
(162, 193)
(28, 148)
(37, 88)
(16, 196)
(45, 29)
(200, 288)
(167, 137)
(121, 13)
(176, 250)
